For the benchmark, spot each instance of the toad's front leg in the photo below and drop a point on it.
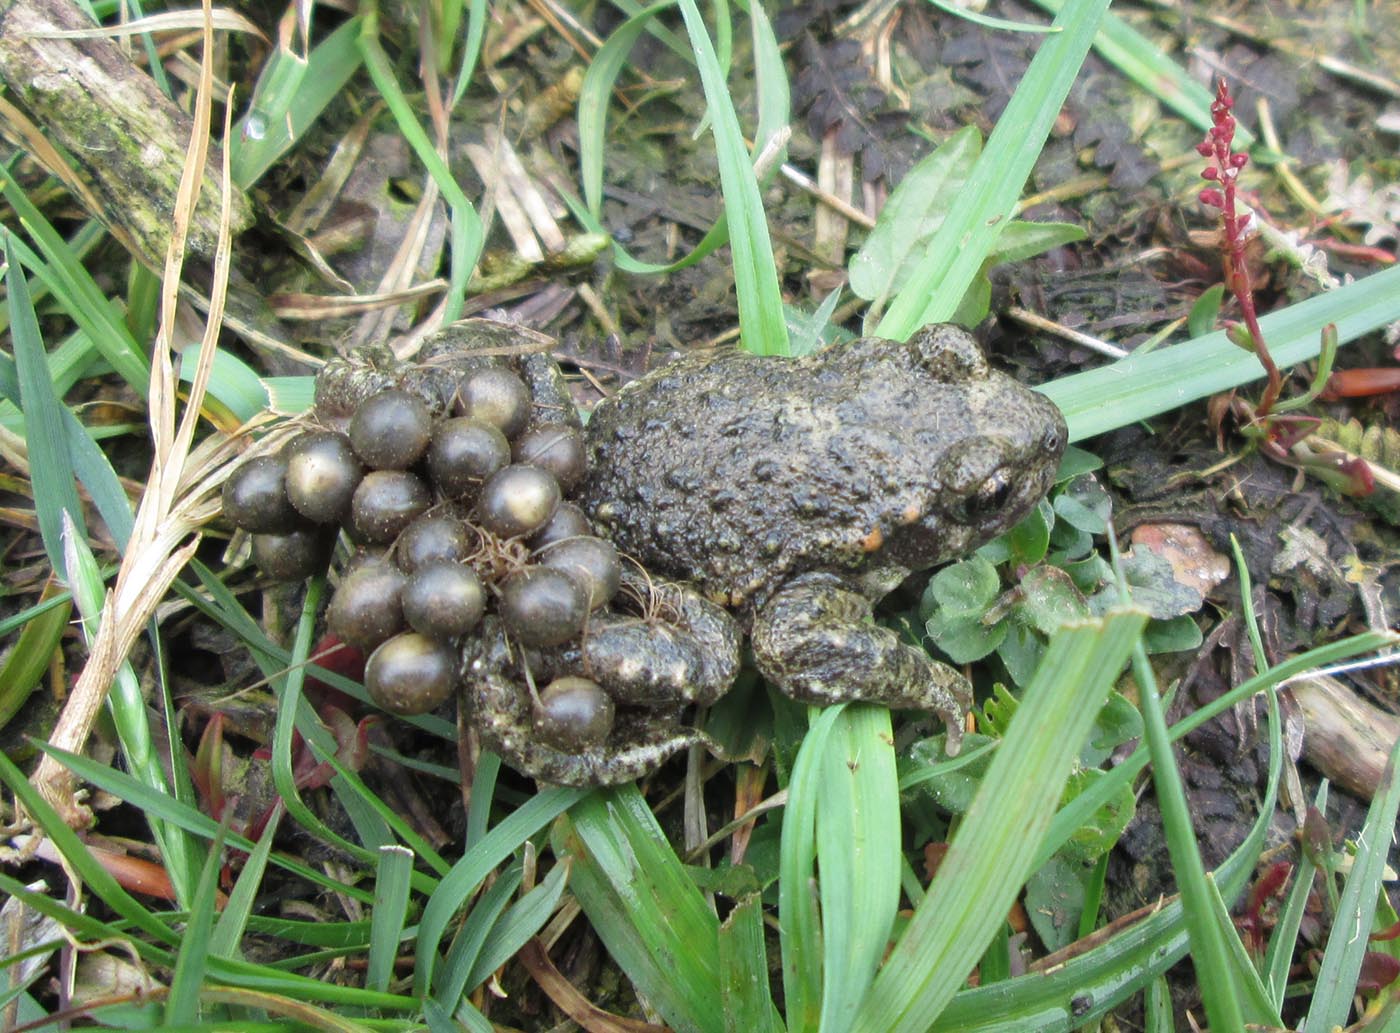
(815, 641)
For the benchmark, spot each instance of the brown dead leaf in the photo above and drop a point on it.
(1195, 564)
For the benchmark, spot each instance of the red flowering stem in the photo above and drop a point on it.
(1224, 169)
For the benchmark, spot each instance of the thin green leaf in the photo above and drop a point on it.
(761, 323)
(1164, 379)
(989, 856)
(231, 380)
(858, 850)
(1143, 60)
(644, 907)
(167, 808)
(523, 920)
(747, 1003)
(233, 920)
(182, 1006)
(1284, 940)
(391, 887)
(28, 662)
(799, 927)
(987, 21)
(55, 492)
(915, 210)
(454, 975)
(97, 878)
(1350, 937)
(290, 95)
(479, 861)
(968, 235)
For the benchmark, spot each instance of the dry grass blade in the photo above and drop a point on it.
(180, 492)
(223, 19)
(574, 1004)
(316, 306)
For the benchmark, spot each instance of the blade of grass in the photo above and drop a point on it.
(97, 878)
(182, 1006)
(28, 662)
(1141, 386)
(290, 95)
(167, 808)
(957, 251)
(1284, 940)
(467, 236)
(55, 492)
(989, 857)
(466, 947)
(858, 849)
(1143, 61)
(477, 863)
(523, 920)
(747, 1001)
(391, 889)
(1349, 939)
(763, 329)
(799, 927)
(233, 920)
(645, 908)
(127, 706)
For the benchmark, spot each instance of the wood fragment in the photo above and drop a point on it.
(123, 137)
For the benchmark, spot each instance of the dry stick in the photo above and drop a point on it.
(119, 132)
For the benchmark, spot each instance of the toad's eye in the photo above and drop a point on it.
(987, 500)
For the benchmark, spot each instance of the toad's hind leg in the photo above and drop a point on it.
(814, 640)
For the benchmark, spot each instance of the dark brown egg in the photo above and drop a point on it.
(255, 497)
(556, 447)
(593, 561)
(367, 607)
(574, 714)
(411, 674)
(568, 521)
(444, 600)
(386, 502)
(391, 430)
(322, 475)
(518, 500)
(433, 538)
(463, 454)
(543, 607)
(294, 556)
(498, 397)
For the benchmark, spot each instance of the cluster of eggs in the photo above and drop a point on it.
(454, 512)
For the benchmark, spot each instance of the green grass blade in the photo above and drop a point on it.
(239, 388)
(1143, 61)
(467, 236)
(167, 808)
(1141, 386)
(1209, 953)
(290, 94)
(391, 888)
(989, 857)
(233, 920)
(97, 878)
(182, 1006)
(763, 329)
(1349, 939)
(28, 662)
(1284, 939)
(858, 851)
(644, 907)
(747, 1003)
(127, 705)
(957, 251)
(454, 976)
(524, 919)
(799, 926)
(74, 288)
(55, 492)
(478, 862)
